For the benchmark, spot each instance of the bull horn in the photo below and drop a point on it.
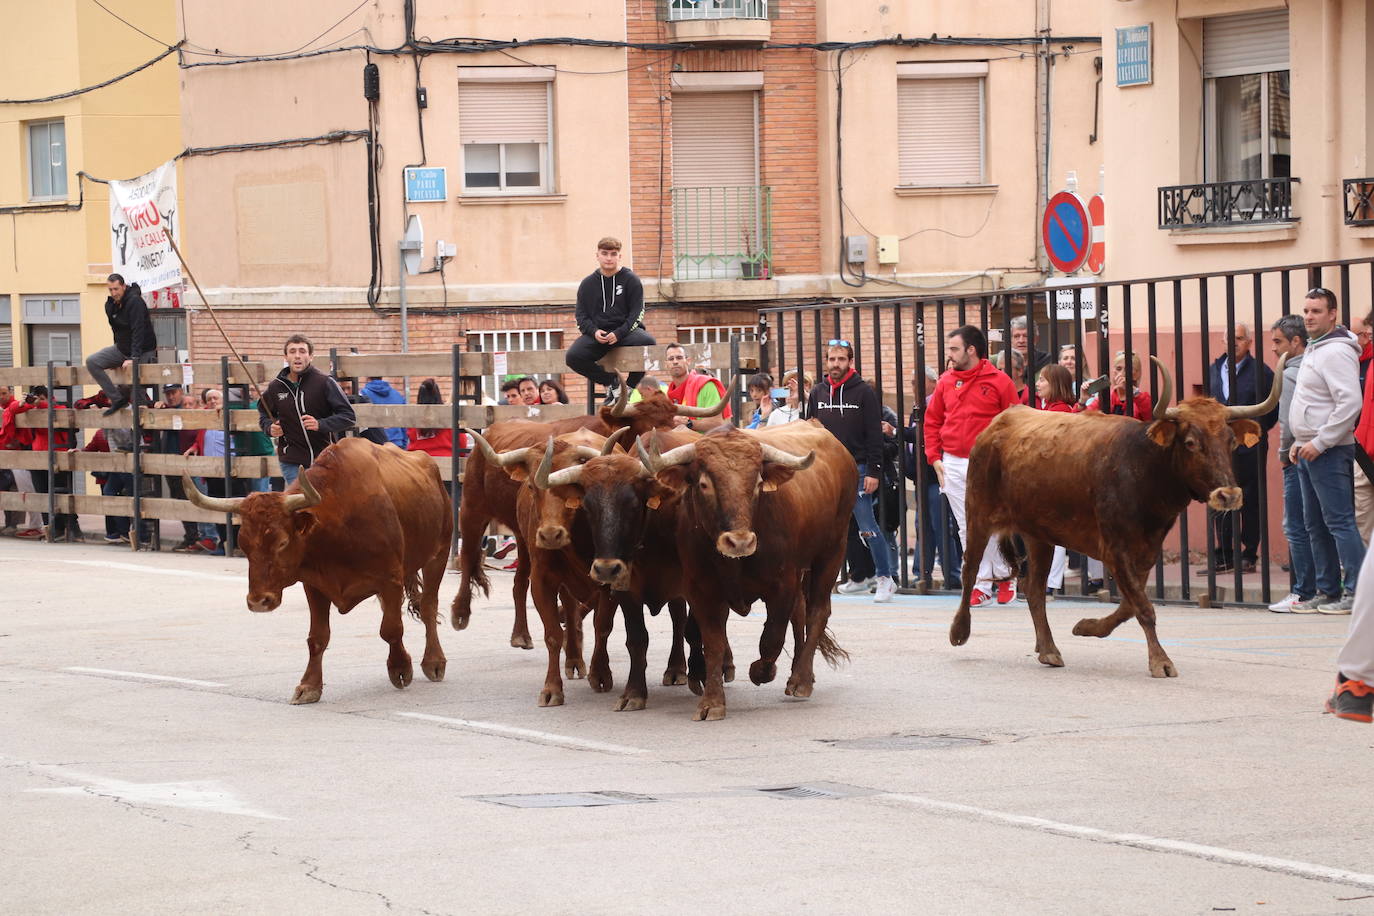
(684, 410)
(501, 459)
(1254, 411)
(1166, 383)
(541, 474)
(622, 406)
(307, 497)
(787, 459)
(566, 477)
(655, 461)
(213, 503)
(609, 445)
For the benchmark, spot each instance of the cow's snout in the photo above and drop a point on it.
(1225, 499)
(613, 572)
(261, 604)
(737, 543)
(551, 537)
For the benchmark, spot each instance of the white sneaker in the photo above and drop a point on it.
(885, 590)
(856, 588)
(1285, 604)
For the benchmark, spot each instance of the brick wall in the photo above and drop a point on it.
(788, 154)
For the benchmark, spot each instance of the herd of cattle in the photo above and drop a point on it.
(626, 509)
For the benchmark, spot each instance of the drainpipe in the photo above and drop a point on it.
(1042, 132)
(1332, 215)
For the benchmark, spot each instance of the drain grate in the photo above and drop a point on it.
(565, 799)
(903, 742)
(816, 790)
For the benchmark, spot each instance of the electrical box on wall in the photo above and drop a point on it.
(887, 249)
(856, 248)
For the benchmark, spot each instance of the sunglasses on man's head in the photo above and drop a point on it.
(837, 342)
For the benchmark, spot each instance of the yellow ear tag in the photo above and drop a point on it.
(573, 503)
(1249, 440)
(769, 486)
(653, 502)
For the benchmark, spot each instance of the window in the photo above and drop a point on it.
(504, 125)
(507, 342)
(1246, 97)
(940, 123)
(47, 159)
(715, 333)
(6, 335)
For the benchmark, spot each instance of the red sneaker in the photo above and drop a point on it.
(512, 565)
(980, 598)
(1006, 591)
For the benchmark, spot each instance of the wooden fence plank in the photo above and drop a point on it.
(177, 509)
(203, 374)
(380, 415)
(391, 365)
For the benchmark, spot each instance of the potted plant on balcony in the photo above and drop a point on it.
(754, 265)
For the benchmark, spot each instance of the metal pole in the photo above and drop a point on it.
(136, 528)
(455, 462)
(52, 457)
(228, 455)
(733, 393)
(405, 313)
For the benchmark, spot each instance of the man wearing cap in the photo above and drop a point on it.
(176, 442)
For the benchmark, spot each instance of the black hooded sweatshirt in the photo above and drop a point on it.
(315, 394)
(851, 412)
(614, 303)
(133, 330)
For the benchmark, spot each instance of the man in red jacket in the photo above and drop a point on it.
(966, 399)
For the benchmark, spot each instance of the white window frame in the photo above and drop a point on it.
(953, 70)
(512, 340)
(715, 333)
(60, 170)
(498, 75)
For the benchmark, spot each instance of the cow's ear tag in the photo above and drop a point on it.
(769, 486)
(1250, 440)
(573, 502)
(653, 502)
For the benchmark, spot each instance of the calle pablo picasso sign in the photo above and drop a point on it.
(139, 210)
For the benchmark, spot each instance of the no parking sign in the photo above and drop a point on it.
(1065, 231)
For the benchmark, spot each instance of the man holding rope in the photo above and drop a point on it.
(302, 409)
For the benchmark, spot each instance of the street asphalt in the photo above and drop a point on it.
(150, 763)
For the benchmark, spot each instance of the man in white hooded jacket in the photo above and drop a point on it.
(1325, 408)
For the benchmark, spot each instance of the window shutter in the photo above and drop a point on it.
(6, 346)
(940, 131)
(713, 140)
(503, 112)
(1247, 43)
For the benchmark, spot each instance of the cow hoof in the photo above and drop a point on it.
(1163, 669)
(521, 642)
(674, 677)
(629, 704)
(1088, 626)
(434, 671)
(694, 685)
(799, 690)
(460, 622)
(728, 672)
(575, 670)
(548, 697)
(707, 712)
(1053, 659)
(305, 694)
(401, 677)
(600, 681)
(959, 629)
(762, 672)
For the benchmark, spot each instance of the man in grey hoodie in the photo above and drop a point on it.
(1289, 338)
(1322, 416)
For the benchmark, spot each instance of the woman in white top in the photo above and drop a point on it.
(785, 411)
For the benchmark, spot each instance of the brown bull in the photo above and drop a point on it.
(489, 494)
(763, 516)
(363, 520)
(1106, 486)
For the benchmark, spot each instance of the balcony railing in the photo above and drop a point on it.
(1359, 202)
(1227, 203)
(678, 10)
(723, 233)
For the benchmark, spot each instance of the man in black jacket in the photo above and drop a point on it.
(849, 409)
(134, 340)
(303, 409)
(1253, 381)
(610, 313)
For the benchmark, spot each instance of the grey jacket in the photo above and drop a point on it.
(1290, 383)
(1326, 402)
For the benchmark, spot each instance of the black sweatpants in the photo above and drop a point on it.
(582, 357)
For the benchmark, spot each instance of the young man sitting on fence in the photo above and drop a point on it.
(610, 313)
(134, 340)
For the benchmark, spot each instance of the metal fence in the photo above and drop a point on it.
(1227, 203)
(1188, 322)
(722, 233)
(1358, 201)
(715, 9)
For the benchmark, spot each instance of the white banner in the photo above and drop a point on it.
(139, 209)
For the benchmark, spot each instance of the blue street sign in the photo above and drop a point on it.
(426, 184)
(1133, 63)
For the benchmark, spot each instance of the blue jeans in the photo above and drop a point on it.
(289, 472)
(940, 535)
(867, 521)
(1328, 502)
(1304, 573)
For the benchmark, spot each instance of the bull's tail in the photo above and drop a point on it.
(1008, 545)
(413, 592)
(831, 650)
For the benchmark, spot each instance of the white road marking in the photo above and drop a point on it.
(143, 677)
(140, 568)
(527, 734)
(1289, 867)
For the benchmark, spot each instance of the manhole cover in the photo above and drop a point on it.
(904, 742)
(816, 790)
(566, 799)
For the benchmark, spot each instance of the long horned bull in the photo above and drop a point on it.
(654, 461)
(623, 407)
(545, 476)
(308, 497)
(1233, 412)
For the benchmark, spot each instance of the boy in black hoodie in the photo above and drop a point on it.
(134, 340)
(303, 409)
(610, 313)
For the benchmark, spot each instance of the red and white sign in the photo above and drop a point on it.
(139, 210)
(1065, 231)
(1097, 218)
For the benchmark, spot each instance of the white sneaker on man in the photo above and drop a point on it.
(856, 588)
(885, 590)
(1285, 604)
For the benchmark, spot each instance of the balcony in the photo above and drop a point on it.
(722, 233)
(1359, 201)
(722, 23)
(1227, 204)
